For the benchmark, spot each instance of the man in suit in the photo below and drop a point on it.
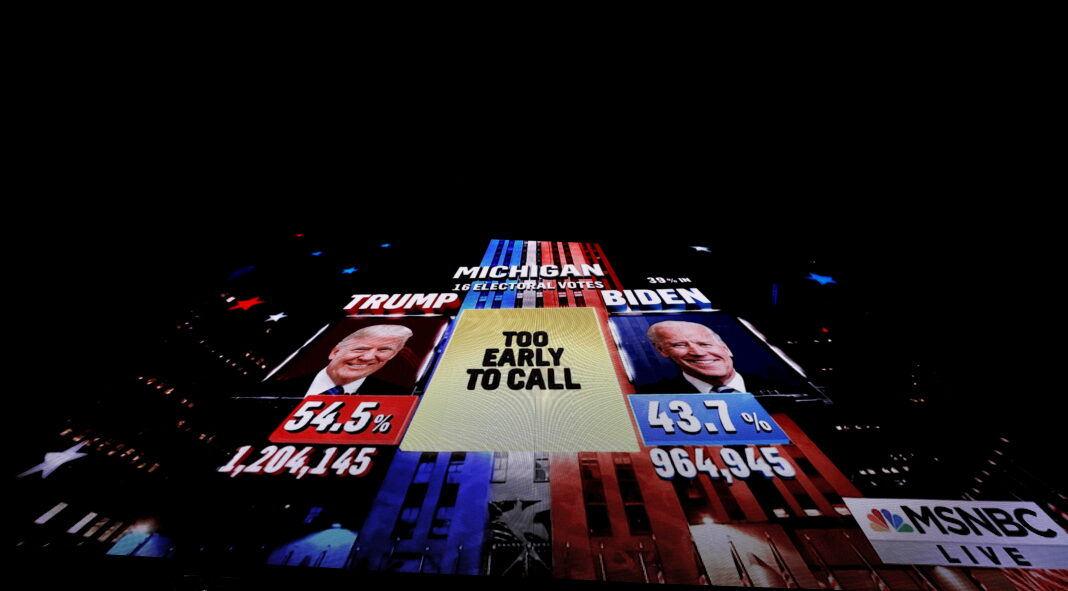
(705, 361)
(356, 357)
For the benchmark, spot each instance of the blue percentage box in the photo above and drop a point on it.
(704, 419)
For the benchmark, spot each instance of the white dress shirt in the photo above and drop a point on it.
(704, 387)
(322, 383)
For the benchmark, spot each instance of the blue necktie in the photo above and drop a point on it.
(724, 389)
(334, 391)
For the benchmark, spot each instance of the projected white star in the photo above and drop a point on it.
(54, 460)
(701, 248)
(276, 317)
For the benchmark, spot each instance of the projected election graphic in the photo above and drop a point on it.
(749, 462)
(967, 533)
(514, 380)
(717, 419)
(363, 419)
(288, 460)
(639, 410)
(356, 355)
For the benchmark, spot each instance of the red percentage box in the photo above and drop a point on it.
(376, 420)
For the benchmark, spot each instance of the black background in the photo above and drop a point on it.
(944, 260)
(934, 214)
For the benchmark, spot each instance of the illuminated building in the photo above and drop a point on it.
(523, 514)
(638, 525)
(429, 515)
(520, 529)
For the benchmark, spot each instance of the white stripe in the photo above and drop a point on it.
(292, 355)
(50, 513)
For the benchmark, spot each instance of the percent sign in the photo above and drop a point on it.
(381, 424)
(757, 423)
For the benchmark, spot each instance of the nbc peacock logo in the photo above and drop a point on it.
(883, 520)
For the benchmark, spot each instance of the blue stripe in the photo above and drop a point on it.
(471, 300)
(516, 260)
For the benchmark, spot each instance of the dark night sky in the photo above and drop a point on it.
(966, 279)
(159, 220)
(152, 177)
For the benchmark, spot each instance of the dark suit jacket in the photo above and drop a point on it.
(296, 388)
(757, 385)
(373, 385)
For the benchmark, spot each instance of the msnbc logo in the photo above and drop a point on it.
(883, 520)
